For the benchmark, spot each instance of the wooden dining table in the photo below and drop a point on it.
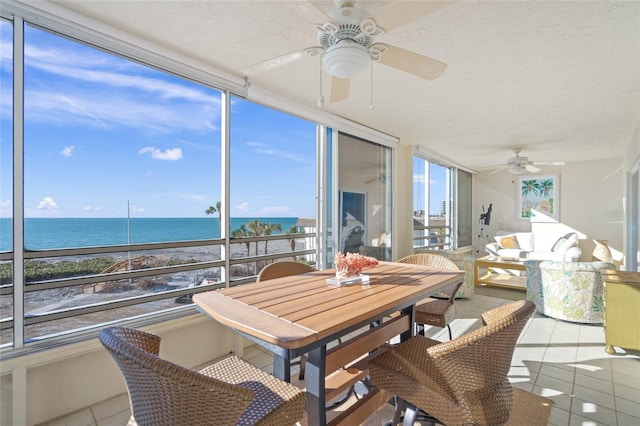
(303, 314)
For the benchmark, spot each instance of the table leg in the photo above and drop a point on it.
(315, 381)
(282, 368)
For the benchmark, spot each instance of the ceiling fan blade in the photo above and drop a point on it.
(498, 170)
(412, 63)
(278, 61)
(548, 163)
(313, 13)
(531, 168)
(339, 89)
(399, 13)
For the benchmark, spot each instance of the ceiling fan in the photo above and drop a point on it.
(518, 165)
(347, 43)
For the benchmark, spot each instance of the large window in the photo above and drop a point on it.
(6, 170)
(272, 186)
(122, 168)
(441, 206)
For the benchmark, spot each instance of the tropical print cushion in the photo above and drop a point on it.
(570, 291)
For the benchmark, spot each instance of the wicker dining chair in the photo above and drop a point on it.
(228, 392)
(435, 311)
(461, 381)
(283, 268)
(286, 268)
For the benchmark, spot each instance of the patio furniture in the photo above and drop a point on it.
(300, 314)
(499, 273)
(570, 291)
(434, 311)
(284, 269)
(228, 392)
(462, 381)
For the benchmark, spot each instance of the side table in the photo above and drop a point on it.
(496, 278)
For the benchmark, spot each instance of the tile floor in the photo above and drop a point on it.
(563, 361)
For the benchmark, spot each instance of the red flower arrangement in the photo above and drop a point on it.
(351, 264)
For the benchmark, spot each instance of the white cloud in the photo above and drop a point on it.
(68, 151)
(242, 207)
(276, 153)
(123, 93)
(6, 204)
(171, 154)
(47, 203)
(90, 208)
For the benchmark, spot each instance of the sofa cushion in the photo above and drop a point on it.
(546, 255)
(525, 240)
(507, 241)
(565, 242)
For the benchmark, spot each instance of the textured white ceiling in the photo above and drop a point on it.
(560, 79)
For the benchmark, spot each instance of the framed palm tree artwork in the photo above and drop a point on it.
(539, 198)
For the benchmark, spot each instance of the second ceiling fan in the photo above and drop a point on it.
(347, 43)
(518, 165)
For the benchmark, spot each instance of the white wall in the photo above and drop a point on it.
(591, 203)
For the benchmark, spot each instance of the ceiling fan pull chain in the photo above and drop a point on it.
(320, 98)
(371, 106)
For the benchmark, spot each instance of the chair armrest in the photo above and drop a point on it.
(572, 254)
(492, 248)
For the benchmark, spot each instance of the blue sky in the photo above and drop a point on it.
(437, 186)
(101, 130)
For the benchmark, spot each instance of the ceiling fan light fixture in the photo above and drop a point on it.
(346, 59)
(516, 169)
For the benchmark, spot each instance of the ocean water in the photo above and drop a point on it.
(41, 234)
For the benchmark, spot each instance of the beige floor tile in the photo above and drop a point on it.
(107, 408)
(79, 418)
(626, 420)
(631, 408)
(626, 392)
(119, 419)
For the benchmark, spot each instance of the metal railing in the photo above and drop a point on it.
(433, 237)
(243, 268)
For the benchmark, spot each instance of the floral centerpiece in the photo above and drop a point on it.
(351, 264)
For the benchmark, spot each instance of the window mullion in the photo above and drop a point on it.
(18, 182)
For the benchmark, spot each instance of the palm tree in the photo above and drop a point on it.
(546, 186)
(242, 232)
(214, 210)
(267, 229)
(531, 185)
(292, 241)
(256, 230)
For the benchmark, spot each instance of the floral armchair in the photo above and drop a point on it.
(570, 291)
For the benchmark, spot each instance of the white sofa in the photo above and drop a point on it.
(522, 246)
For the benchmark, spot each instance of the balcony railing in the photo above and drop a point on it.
(71, 289)
(432, 237)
